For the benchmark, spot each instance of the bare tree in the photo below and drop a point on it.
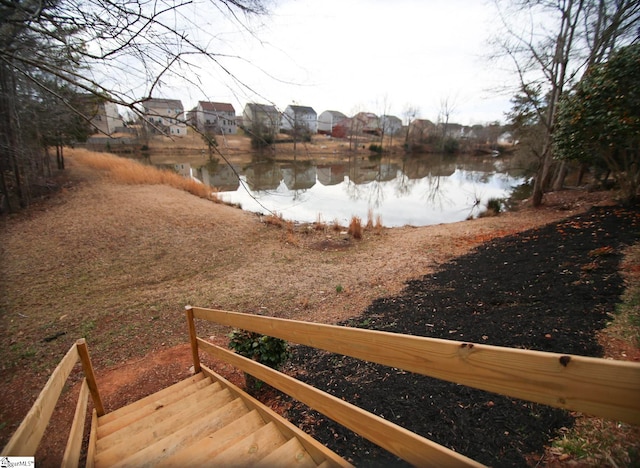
(551, 44)
(447, 108)
(409, 114)
(117, 50)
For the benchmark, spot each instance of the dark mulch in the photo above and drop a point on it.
(546, 289)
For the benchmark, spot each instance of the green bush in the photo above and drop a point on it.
(375, 148)
(267, 350)
(495, 205)
(451, 146)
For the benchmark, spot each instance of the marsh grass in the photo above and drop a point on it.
(128, 171)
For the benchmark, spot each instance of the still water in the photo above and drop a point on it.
(416, 191)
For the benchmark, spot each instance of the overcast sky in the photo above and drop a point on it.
(362, 55)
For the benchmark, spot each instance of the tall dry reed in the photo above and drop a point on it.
(128, 171)
(355, 227)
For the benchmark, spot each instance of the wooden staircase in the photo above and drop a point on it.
(202, 420)
(206, 420)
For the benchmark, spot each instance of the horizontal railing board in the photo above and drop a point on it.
(599, 387)
(26, 439)
(407, 445)
(71, 456)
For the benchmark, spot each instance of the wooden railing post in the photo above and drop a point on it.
(193, 338)
(83, 351)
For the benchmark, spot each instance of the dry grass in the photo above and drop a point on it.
(128, 171)
(320, 225)
(275, 219)
(355, 228)
(369, 219)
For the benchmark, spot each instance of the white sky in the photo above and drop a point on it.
(361, 55)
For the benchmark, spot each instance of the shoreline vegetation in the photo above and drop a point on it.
(118, 252)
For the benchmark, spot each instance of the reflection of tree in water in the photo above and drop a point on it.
(375, 194)
(403, 183)
(373, 191)
(435, 195)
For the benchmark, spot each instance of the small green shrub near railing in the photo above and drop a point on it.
(267, 350)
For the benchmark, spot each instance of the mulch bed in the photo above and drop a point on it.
(547, 289)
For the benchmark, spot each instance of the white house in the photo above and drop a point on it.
(263, 116)
(214, 117)
(165, 116)
(299, 118)
(106, 118)
(329, 119)
(390, 124)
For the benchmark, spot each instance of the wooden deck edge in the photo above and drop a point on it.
(316, 450)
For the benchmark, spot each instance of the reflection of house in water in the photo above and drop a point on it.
(222, 177)
(432, 166)
(299, 177)
(263, 176)
(380, 172)
(331, 174)
(184, 169)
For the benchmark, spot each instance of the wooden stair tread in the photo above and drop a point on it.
(113, 415)
(161, 407)
(291, 453)
(146, 431)
(252, 448)
(206, 424)
(201, 421)
(202, 451)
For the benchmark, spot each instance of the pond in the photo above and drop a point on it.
(417, 191)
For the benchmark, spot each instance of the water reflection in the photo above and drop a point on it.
(415, 191)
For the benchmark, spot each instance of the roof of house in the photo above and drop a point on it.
(390, 117)
(423, 123)
(301, 109)
(216, 106)
(171, 103)
(266, 108)
(334, 113)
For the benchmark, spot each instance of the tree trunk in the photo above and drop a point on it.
(60, 157)
(561, 175)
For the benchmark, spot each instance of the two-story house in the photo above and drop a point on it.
(390, 124)
(261, 118)
(367, 122)
(299, 119)
(420, 130)
(214, 117)
(165, 116)
(329, 119)
(106, 118)
(102, 114)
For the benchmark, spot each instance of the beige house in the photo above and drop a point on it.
(214, 117)
(165, 117)
(263, 117)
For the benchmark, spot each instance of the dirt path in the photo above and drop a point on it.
(118, 263)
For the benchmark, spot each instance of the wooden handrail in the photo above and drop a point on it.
(599, 387)
(405, 444)
(27, 437)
